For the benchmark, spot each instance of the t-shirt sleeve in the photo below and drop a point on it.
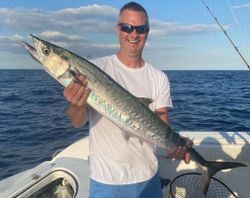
(163, 98)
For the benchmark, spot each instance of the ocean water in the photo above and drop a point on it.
(34, 125)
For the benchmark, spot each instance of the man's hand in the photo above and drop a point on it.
(180, 152)
(77, 92)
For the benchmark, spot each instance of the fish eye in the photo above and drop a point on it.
(46, 51)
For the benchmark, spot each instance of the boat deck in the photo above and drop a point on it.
(72, 165)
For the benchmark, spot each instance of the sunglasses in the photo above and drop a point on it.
(140, 29)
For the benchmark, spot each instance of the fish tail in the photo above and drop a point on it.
(210, 168)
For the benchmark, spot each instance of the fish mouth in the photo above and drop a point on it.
(32, 50)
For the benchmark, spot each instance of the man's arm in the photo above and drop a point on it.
(181, 151)
(76, 93)
(162, 113)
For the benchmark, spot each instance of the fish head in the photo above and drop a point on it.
(50, 56)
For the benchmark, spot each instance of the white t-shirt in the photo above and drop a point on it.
(115, 156)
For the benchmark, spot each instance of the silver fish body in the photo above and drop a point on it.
(115, 103)
(107, 96)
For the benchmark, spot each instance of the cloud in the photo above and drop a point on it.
(91, 10)
(93, 18)
(65, 27)
(74, 43)
(84, 30)
(61, 39)
(11, 43)
(161, 28)
(23, 20)
(243, 6)
(112, 46)
(84, 19)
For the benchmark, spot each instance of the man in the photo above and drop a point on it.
(122, 165)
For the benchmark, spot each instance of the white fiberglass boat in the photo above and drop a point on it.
(67, 174)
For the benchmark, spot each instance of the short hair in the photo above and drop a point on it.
(134, 7)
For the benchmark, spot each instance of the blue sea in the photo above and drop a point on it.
(34, 125)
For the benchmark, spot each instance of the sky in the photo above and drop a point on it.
(183, 34)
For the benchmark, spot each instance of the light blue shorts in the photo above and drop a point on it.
(147, 189)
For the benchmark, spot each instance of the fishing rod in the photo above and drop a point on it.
(224, 31)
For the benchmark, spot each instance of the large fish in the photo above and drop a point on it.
(117, 104)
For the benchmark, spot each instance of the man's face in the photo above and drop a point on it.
(132, 43)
